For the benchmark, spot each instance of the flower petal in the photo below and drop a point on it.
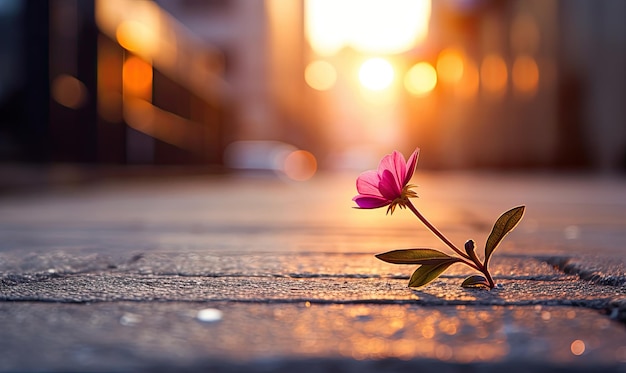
(370, 202)
(367, 183)
(388, 186)
(395, 164)
(410, 166)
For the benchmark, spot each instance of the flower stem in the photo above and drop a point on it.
(477, 265)
(436, 231)
(488, 275)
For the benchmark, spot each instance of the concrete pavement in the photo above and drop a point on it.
(112, 276)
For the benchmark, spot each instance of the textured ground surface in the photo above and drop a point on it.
(115, 275)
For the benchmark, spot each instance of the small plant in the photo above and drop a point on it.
(389, 186)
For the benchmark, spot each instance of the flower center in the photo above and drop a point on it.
(403, 199)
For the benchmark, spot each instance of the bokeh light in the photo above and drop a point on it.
(320, 75)
(577, 347)
(421, 79)
(134, 36)
(68, 91)
(376, 74)
(300, 165)
(450, 65)
(140, 30)
(525, 75)
(137, 78)
(493, 73)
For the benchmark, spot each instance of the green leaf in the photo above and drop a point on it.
(505, 223)
(475, 281)
(414, 256)
(428, 272)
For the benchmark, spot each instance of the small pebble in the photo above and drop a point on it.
(209, 315)
(129, 319)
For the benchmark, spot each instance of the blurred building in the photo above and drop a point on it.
(117, 82)
(474, 83)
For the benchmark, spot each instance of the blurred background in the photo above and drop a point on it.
(302, 86)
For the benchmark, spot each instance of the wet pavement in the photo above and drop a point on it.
(115, 276)
(129, 335)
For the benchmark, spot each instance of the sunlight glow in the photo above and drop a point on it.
(320, 75)
(369, 26)
(376, 74)
(421, 79)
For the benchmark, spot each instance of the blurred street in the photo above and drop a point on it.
(112, 276)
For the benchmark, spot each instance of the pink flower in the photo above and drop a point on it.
(389, 184)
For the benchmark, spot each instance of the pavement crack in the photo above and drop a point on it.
(585, 271)
(15, 279)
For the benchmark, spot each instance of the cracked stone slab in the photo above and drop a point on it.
(445, 290)
(302, 264)
(154, 336)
